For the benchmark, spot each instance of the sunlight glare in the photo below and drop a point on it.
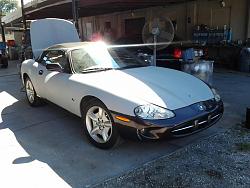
(5, 100)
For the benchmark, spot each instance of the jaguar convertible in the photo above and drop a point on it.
(115, 93)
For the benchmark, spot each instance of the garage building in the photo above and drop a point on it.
(126, 18)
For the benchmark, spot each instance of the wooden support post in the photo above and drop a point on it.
(23, 16)
(75, 13)
(248, 20)
(2, 32)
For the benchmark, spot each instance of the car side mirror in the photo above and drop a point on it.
(54, 67)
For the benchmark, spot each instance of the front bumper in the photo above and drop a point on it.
(188, 120)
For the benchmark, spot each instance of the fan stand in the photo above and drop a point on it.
(155, 42)
(155, 31)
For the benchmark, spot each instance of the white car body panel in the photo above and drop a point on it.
(119, 90)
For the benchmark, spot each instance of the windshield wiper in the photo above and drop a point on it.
(96, 69)
(134, 66)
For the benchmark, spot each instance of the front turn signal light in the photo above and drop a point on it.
(122, 118)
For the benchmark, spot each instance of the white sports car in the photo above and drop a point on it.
(112, 91)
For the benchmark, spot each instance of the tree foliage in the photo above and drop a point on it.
(7, 6)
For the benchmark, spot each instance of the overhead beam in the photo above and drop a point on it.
(63, 8)
(84, 3)
(50, 5)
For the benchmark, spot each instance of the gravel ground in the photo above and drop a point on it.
(222, 160)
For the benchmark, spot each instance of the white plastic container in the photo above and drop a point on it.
(203, 70)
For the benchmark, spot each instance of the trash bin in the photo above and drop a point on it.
(202, 69)
(245, 60)
(13, 55)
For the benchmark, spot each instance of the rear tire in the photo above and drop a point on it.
(98, 125)
(5, 66)
(32, 97)
(4, 63)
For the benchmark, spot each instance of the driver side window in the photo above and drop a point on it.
(56, 56)
(47, 58)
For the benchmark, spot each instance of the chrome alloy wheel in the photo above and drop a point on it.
(99, 124)
(30, 91)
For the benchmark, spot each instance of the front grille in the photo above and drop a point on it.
(195, 125)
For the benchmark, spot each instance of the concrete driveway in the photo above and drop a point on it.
(45, 146)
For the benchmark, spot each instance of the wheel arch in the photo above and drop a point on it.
(86, 99)
(25, 76)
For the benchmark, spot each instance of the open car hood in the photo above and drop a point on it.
(51, 31)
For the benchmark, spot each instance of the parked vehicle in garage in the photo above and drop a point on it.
(3, 60)
(178, 56)
(113, 91)
(169, 57)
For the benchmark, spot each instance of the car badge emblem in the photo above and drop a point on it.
(201, 107)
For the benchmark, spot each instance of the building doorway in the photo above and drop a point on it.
(133, 27)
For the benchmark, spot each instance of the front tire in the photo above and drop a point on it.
(98, 125)
(32, 97)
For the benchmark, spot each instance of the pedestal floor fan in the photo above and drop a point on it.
(158, 33)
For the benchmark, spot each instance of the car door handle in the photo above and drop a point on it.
(40, 72)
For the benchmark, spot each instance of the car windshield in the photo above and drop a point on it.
(99, 57)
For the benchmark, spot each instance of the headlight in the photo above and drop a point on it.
(150, 111)
(216, 95)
